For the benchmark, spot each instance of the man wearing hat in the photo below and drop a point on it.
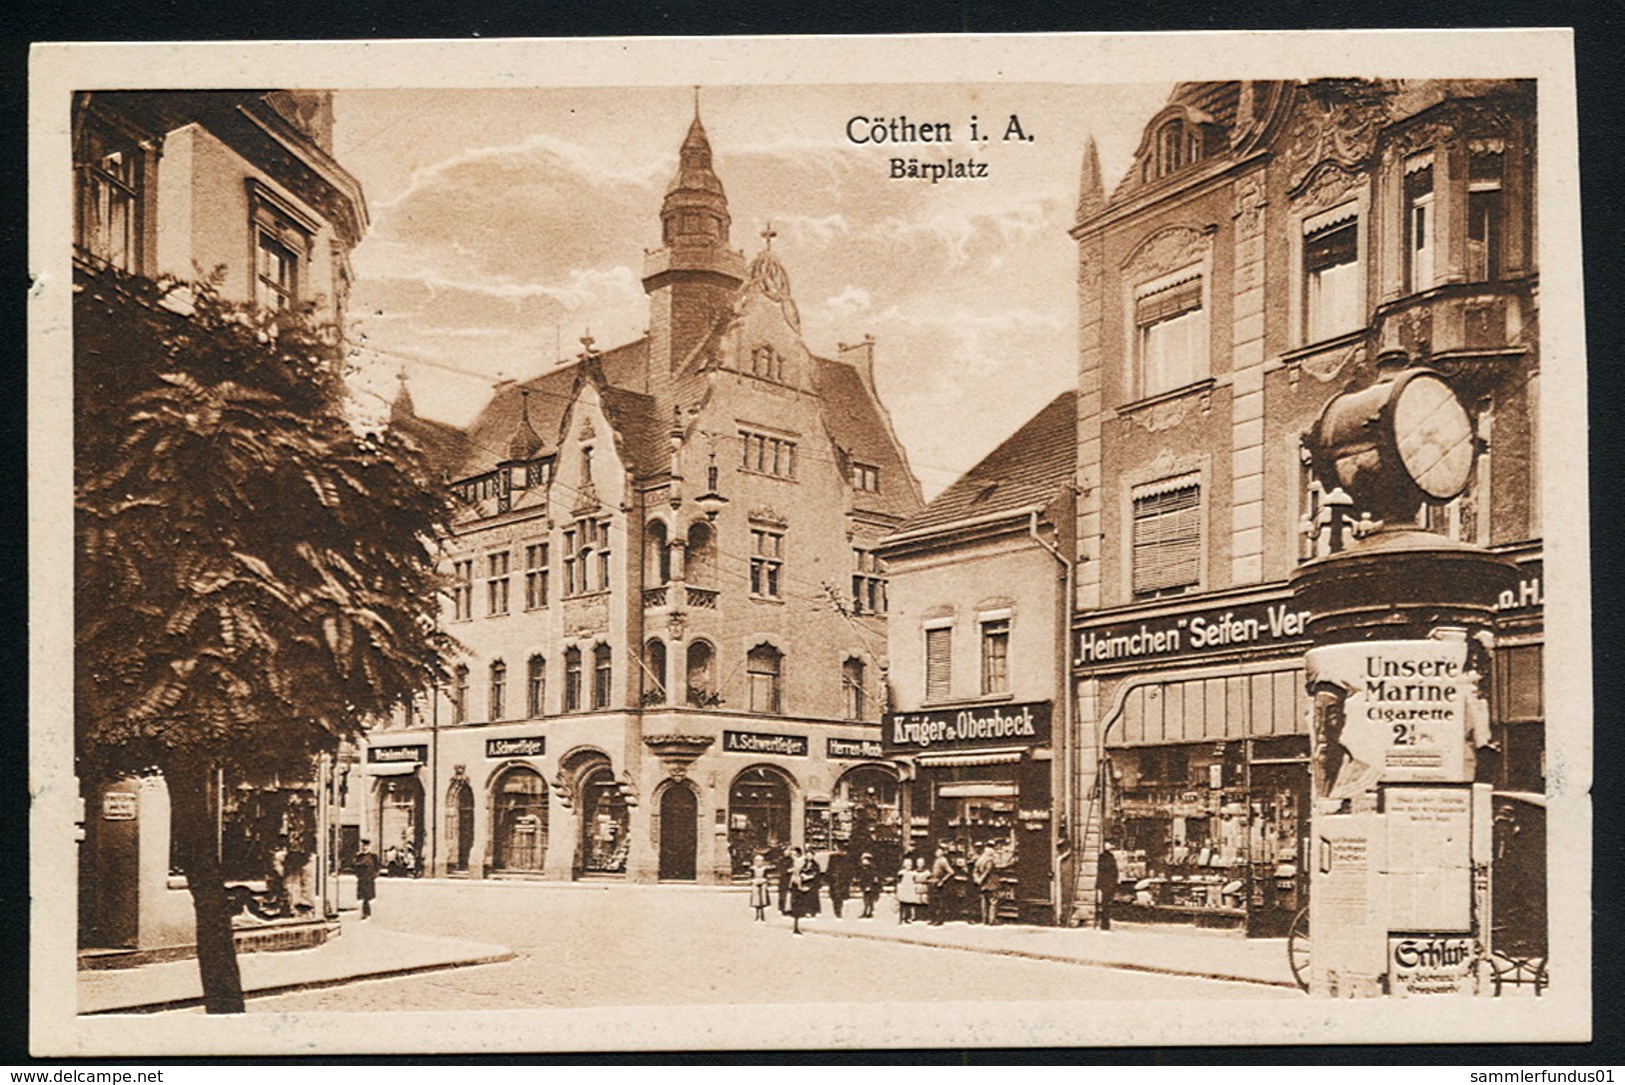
(366, 877)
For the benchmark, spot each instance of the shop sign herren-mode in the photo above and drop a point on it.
(966, 728)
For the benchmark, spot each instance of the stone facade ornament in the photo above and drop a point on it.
(1166, 250)
(1338, 121)
(1250, 201)
(1327, 185)
(678, 752)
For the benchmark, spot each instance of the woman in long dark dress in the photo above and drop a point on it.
(804, 880)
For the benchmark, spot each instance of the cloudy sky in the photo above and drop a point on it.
(507, 223)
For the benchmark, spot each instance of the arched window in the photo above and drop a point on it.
(1171, 147)
(535, 685)
(763, 666)
(459, 694)
(519, 824)
(602, 677)
(657, 569)
(572, 679)
(654, 659)
(499, 689)
(702, 680)
(701, 569)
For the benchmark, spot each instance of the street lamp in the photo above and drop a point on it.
(711, 502)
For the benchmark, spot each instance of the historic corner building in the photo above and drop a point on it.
(1269, 243)
(979, 625)
(243, 183)
(664, 576)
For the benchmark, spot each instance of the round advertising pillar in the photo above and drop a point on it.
(1402, 622)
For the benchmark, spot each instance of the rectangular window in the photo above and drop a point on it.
(766, 562)
(462, 590)
(535, 576)
(602, 677)
(938, 663)
(763, 667)
(1167, 538)
(277, 273)
(866, 478)
(572, 680)
(459, 695)
(1419, 229)
(868, 583)
(1331, 281)
(766, 455)
(1171, 329)
(108, 177)
(535, 686)
(1484, 217)
(570, 574)
(852, 687)
(496, 583)
(499, 687)
(996, 656)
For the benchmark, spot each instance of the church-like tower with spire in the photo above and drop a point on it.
(663, 578)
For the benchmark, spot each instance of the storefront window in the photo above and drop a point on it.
(520, 821)
(604, 824)
(758, 816)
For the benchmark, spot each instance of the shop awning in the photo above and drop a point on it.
(397, 768)
(976, 791)
(1004, 755)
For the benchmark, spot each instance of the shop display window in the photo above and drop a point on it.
(1209, 828)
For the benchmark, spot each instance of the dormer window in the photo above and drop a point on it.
(1177, 144)
(866, 477)
(767, 363)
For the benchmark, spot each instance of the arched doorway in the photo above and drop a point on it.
(868, 815)
(679, 832)
(758, 816)
(459, 824)
(400, 824)
(519, 820)
(604, 823)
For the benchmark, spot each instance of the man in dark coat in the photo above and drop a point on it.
(939, 905)
(839, 875)
(1106, 879)
(366, 877)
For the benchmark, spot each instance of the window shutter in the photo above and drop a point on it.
(1167, 539)
(1165, 304)
(938, 664)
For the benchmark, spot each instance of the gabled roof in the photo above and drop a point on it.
(1028, 470)
(854, 419)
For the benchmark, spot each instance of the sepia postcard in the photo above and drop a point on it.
(832, 543)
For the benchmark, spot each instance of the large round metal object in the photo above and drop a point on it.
(1433, 435)
(1391, 446)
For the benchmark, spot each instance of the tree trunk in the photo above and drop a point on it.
(191, 791)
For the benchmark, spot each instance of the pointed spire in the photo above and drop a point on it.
(695, 188)
(1091, 193)
(402, 409)
(525, 442)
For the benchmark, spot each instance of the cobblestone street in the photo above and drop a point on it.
(613, 945)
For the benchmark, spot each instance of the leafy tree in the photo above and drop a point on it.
(254, 573)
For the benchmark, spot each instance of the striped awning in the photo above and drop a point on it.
(394, 768)
(1003, 755)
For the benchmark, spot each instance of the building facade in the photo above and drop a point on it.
(1270, 241)
(979, 633)
(241, 187)
(663, 573)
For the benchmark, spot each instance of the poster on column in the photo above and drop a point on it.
(1409, 710)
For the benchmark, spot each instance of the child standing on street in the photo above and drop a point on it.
(758, 886)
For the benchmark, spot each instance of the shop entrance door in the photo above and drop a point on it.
(1277, 825)
(758, 817)
(604, 824)
(400, 824)
(460, 825)
(678, 835)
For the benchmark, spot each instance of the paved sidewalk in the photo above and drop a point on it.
(1178, 951)
(363, 950)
